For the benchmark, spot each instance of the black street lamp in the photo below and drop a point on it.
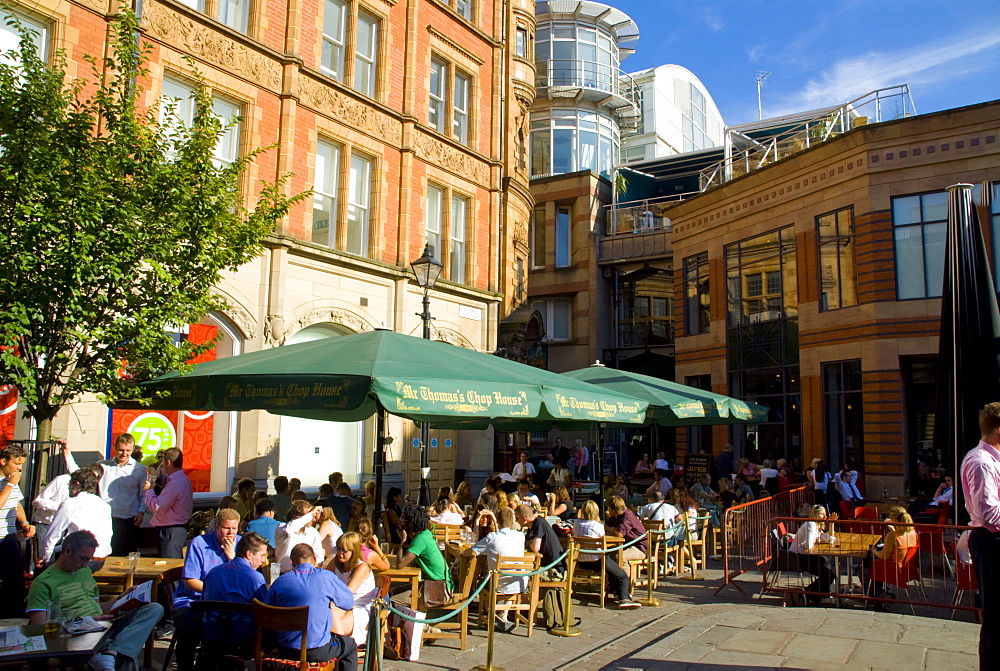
(426, 269)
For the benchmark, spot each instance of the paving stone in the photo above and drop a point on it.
(756, 641)
(880, 654)
(815, 665)
(741, 659)
(690, 652)
(745, 621)
(863, 630)
(717, 635)
(820, 648)
(939, 660)
(937, 638)
(805, 625)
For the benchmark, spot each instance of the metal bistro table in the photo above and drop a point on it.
(69, 649)
(850, 545)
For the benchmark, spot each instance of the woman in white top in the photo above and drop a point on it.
(588, 525)
(806, 537)
(329, 530)
(301, 529)
(348, 565)
(443, 513)
(821, 479)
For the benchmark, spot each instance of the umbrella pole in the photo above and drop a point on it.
(380, 441)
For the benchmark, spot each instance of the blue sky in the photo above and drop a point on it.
(823, 53)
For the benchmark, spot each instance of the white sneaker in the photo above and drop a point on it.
(102, 662)
(628, 604)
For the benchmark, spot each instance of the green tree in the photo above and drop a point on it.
(115, 226)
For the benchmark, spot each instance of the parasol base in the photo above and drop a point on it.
(571, 631)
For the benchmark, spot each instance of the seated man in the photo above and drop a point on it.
(525, 495)
(706, 497)
(203, 554)
(417, 544)
(265, 523)
(236, 581)
(331, 611)
(503, 542)
(84, 510)
(70, 582)
(661, 483)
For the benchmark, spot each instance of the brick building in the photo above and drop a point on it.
(408, 121)
(812, 286)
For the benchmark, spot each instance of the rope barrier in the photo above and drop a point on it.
(453, 613)
(518, 574)
(614, 548)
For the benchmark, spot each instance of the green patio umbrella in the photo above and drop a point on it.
(344, 379)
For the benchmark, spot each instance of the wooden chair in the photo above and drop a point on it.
(582, 576)
(692, 541)
(549, 584)
(383, 591)
(275, 618)
(224, 649)
(450, 628)
(515, 603)
(168, 582)
(445, 533)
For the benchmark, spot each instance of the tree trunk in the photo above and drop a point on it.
(44, 431)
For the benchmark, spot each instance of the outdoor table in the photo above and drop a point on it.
(117, 569)
(409, 575)
(70, 648)
(850, 545)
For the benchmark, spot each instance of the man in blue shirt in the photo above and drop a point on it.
(265, 523)
(331, 616)
(236, 581)
(203, 554)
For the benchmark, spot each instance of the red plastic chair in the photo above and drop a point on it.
(866, 514)
(846, 510)
(944, 509)
(966, 582)
(900, 573)
(783, 484)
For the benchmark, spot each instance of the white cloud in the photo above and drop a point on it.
(756, 52)
(928, 63)
(711, 20)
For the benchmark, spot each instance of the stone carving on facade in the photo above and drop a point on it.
(450, 336)
(329, 315)
(327, 100)
(440, 154)
(520, 233)
(212, 46)
(274, 330)
(99, 5)
(239, 316)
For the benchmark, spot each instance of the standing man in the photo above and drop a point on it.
(13, 520)
(282, 498)
(981, 486)
(724, 463)
(84, 510)
(331, 611)
(560, 453)
(523, 467)
(122, 486)
(172, 507)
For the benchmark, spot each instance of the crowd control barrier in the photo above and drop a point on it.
(745, 545)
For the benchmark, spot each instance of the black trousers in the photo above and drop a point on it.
(124, 536)
(187, 633)
(343, 648)
(172, 539)
(985, 549)
(819, 567)
(617, 577)
(12, 592)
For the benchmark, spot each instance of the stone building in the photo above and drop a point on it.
(408, 120)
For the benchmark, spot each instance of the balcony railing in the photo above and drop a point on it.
(587, 75)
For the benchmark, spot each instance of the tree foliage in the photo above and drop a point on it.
(115, 226)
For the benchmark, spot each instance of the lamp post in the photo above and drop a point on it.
(426, 269)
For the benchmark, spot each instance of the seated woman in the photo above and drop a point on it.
(560, 504)
(443, 513)
(900, 536)
(393, 501)
(348, 565)
(329, 530)
(727, 497)
(463, 495)
(644, 467)
(805, 538)
(560, 476)
(370, 550)
(484, 520)
(588, 525)
(418, 546)
(621, 487)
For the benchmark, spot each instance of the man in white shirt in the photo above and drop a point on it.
(658, 509)
(523, 467)
(83, 511)
(57, 492)
(524, 493)
(301, 529)
(122, 486)
(661, 483)
(508, 543)
(661, 462)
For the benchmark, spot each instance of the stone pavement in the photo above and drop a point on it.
(694, 629)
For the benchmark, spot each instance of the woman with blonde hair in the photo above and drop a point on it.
(348, 565)
(806, 537)
(370, 550)
(463, 495)
(588, 525)
(329, 530)
(900, 536)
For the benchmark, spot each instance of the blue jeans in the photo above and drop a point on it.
(136, 625)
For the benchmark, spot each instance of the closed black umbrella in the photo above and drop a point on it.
(969, 351)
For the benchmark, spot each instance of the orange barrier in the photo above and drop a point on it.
(930, 575)
(745, 545)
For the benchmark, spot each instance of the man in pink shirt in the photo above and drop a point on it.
(981, 486)
(172, 506)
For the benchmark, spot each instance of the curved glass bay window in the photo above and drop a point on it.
(567, 140)
(568, 54)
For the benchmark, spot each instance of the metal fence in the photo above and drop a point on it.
(931, 576)
(745, 545)
(41, 465)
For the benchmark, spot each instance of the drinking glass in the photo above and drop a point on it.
(69, 617)
(53, 613)
(133, 560)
